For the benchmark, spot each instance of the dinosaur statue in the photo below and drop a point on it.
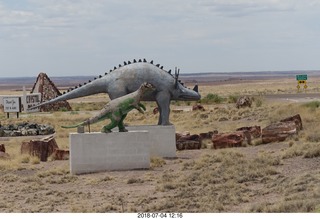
(116, 110)
(127, 78)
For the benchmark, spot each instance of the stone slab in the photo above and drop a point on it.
(162, 139)
(96, 152)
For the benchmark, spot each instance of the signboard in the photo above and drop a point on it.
(302, 77)
(32, 100)
(12, 104)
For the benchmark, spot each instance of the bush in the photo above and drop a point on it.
(232, 98)
(212, 98)
(312, 104)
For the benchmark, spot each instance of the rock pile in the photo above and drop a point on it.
(25, 129)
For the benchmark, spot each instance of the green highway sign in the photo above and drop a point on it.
(302, 77)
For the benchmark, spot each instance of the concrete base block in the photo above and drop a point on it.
(162, 139)
(95, 152)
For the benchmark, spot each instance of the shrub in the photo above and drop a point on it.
(157, 162)
(258, 102)
(232, 98)
(212, 98)
(312, 104)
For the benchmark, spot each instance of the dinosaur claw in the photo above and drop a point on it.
(123, 130)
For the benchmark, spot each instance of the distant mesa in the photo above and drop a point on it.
(48, 91)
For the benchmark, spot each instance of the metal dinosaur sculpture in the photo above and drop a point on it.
(128, 77)
(116, 110)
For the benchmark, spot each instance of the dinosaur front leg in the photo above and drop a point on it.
(163, 101)
(140, 107)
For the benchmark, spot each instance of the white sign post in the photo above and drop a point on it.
(12, 105)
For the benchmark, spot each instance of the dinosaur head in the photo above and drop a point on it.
(180, 92)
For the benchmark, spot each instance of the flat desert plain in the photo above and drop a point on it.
(274, 177)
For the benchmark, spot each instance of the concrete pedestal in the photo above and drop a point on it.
(162, 139)
(95, 152)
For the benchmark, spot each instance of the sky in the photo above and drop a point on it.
(90, 37)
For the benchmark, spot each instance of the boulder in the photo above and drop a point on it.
(244, 101)
(228, 140)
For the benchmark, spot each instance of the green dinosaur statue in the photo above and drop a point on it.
(116, 110)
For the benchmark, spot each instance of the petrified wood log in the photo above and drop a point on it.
(296, 119)
(61, 154)
(2, 148)
(42, 148)
(254, 131)
(198, 107)
(227, 140)
(187, 141)
(188, 145)
(278, 131)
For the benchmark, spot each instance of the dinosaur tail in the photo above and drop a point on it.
(73, 126)
(94, 87)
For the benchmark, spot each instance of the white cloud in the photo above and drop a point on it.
(96, 34)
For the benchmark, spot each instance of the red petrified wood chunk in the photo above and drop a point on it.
(42, 148)
(254, 131)
(187, 141)
(198, 107)
(2, 148)
(227, 140)
(61, 154)
(281, 130)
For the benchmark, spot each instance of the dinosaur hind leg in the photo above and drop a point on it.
(163, 102)
(110, 126)
(121, 125)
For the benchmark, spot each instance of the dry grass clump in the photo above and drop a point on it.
(215, 181)
(299, 194)
(157, 162)
(307, 150)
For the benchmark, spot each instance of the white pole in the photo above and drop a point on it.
(24, 99)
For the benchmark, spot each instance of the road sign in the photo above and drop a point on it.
(302, 82)
(302, 77)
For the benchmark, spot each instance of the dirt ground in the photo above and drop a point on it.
(274, 177)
